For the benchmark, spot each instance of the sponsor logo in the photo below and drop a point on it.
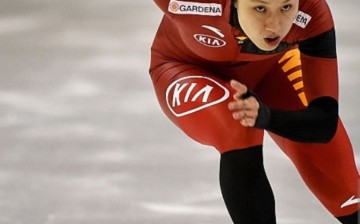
(302, 19)
(209, 40)
(195, 8)
(194, 93)
(214, 29)
(241, 39)
(351, 201)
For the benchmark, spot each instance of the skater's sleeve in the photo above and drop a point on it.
(318, 122)
(315, 124)
(318, 54)
(317, 44)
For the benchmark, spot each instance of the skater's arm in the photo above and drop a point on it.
(317, 123)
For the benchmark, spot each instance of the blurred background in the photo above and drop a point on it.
(83, 139)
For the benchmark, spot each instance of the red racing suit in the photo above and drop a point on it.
(197, 50)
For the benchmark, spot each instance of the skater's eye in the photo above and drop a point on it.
(260, 9)
(286, 7)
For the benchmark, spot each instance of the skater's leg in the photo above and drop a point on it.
(350, 219)
(245, 187)
(330, 172)
(197, 102)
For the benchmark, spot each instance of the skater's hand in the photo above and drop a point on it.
(244, 108)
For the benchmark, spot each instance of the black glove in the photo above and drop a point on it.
(264, 115)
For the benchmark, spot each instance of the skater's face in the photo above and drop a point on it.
(266, 22)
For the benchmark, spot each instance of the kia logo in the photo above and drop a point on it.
(194, 93)
(209, 41)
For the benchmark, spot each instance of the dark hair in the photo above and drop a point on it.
(234, 21)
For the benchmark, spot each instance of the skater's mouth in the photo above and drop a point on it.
(272, 41)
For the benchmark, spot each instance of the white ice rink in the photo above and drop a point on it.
(83, 140)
